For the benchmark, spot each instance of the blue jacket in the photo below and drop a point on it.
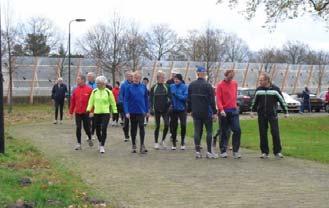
(92, 85)
(136, 99)
(178, 96)
(122, 91)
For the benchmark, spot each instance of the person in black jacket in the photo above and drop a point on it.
(201, 103)
(58, 96)
(265, 103)
(159, 104)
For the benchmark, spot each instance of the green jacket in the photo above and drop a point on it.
(102, 101)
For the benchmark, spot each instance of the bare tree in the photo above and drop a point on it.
(295, 52)
(135, 46)
(236, 49)
(161, 41)
(279, 10)
(192, 46)
(105, 44)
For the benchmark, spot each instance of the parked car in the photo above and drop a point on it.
(322, 96)
(317, 104)
(244, 99)
(293, 105)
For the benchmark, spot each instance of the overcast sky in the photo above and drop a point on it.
(181, 15)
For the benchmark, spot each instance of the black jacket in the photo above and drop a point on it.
(266, 101)
(159, 98)
(58, 92)
(201, 99)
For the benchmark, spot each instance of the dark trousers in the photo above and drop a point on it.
(102, 121)
(92, 125)
(263, 121)
(59, 105)
(181, 115)
(198, 126)
(306, 104)
(115, 117)
(126, 127)
(165, 117)
(137, 121)
(170, 115)
(230, 122)
(79, 119)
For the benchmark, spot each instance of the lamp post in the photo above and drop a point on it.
(69, 71)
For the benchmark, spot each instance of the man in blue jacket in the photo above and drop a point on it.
(178, 101)
(136, 108)
(124, 85)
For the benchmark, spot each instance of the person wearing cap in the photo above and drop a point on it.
(159, 105)
(226, 96)
(58, 93)
(201, 104)
(178, 92)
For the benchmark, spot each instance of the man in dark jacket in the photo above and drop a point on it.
(265, 103)
(201, 102)
(306, 101)
(58, 96)
(159, 103)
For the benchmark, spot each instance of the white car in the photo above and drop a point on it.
(293, 105)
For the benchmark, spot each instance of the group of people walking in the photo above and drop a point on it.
(92, 103)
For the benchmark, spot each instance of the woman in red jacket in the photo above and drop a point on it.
(116, 91)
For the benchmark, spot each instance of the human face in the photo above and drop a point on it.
(263, 82)
(129, 77)
(161, 79)
(100, 85)
(177, 81)
(80, 81)
(145, 82)
(90, 78)
(230, 76)
(136, 78)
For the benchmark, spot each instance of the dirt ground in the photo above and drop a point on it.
(166, 178)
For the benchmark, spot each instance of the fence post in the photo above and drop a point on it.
(217, 73)
(153, 72)
(321, 72)
(187, 69)
(309, 76)
(35, 67)
(245, 75)
(296, 80)
(259, 73)
(170, 69)
(285, 78)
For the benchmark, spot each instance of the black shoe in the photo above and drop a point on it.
(126, 139)
(90, 143)
(133, 150)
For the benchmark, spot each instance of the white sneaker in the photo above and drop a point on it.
(278, 155)
(101, 149)
(93, 137)
(163, 144)
(211, 155)
(61, 122)
(182, 147)
(55, 122)
(198, 155)
(173, 148)
(264, 156)
(236, 155)
(223, 155)
(77, 146)
(156, 146)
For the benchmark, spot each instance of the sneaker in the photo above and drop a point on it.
(173, 148)
(126, 139)
(163, 145)
(264, 156)
(143, 150)
(133, 149)
(101, 149)
(211, 155)
(182, 147)
(198, 155)
(61, 122)
(236, 155)
(113, 123)
(55, 122)
(156, 146)
(90, 142)
(93, 137)
(145, 123)
(223, 155)
(278, 155)
(77, 146)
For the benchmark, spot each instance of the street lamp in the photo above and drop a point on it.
(74, 20)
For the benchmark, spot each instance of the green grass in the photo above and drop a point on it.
(52, 185)
(301, 137)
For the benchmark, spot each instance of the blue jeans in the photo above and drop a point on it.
(198, 126)
(230, 122)
(306, 104)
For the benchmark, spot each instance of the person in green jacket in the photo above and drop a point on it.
(101, 104)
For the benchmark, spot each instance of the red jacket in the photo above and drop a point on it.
(116, 91)
(226, 95)
(79, 99)
(327, 96)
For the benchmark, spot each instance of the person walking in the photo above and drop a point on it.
(92, 84)
(146, 83)
(102, 102)
(136, 107)
(306, 100)
(160, 102)
(265, 104)
(327, 101)
(58, 94)
(201, 103)
(78, 107)
(116, 91)
(178, 92)
(123, 86)
(226, 96)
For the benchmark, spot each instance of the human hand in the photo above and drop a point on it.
(91, 115)
(222, 113)
(127, 115)
(286, 115)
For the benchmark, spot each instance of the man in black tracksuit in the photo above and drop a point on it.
(58, 94)
(265, 103)
(159, 103)
(201, 103)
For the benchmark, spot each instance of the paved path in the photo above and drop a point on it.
(168, 178)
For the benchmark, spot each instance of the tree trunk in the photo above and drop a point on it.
(10, 70)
